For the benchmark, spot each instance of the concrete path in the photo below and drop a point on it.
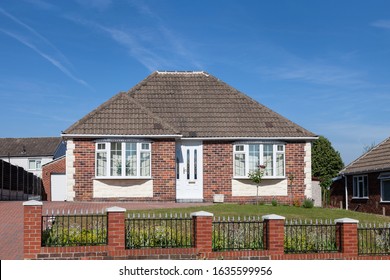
(11, 219)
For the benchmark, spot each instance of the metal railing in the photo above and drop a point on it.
(310, 237)
(158, 231)
(373, 239)
(74, 230)
(238, 234)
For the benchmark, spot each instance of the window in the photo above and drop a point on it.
(35, 164)
(248, 157)
(385, 187)
(123, 159)
(360, 186)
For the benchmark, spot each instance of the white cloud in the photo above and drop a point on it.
(381, 24)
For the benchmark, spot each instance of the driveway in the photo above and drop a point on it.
(11, 219)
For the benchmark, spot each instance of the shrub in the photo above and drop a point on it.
(297, 202)
(308, 203)
(274, 202)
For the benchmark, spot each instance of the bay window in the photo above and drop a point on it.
(248, 158)
(123, 160)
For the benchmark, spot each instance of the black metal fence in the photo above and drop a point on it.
(158, 231)
(239, 234)
(18, 184)
(309, 237)
(74, 230)
(374, 240)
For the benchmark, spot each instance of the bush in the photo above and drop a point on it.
(274, 202)
(297, 203)
(308, 203)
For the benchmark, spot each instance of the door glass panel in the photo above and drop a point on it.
(195, 164)
(188, 164)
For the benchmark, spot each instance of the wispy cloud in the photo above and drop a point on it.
(154, 45)
(40, 45)
(381, 24)
(100, 5)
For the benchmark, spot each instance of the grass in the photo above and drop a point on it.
(290, 212)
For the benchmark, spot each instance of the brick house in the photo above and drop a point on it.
(366, 182)
(186, 136)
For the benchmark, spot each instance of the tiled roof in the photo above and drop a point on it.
(29, 147)
(377, 159)
(192, 104)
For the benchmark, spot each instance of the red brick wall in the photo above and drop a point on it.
(164, 170)
(55, 167)
(84, 165)
(217, 169)
(295, 164)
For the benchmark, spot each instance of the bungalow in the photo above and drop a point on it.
(186, 136)
(364, 184)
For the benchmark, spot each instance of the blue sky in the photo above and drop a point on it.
(322, 64)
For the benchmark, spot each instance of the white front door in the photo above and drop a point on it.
(189, 171)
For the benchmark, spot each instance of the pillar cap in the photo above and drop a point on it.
(32, 203)
(346, 221)
(273, 217)
(202, 214)
(116, 209)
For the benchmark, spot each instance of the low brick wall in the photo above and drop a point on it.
(115, 248)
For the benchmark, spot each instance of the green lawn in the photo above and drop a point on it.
(290, 212)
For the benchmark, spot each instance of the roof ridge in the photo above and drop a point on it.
(150, 114)
(182, 72)
(364, 155)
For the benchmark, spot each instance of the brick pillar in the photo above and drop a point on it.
(348, 234)
(203, 232)
(274, 237)
(32, 228)
(116, 228)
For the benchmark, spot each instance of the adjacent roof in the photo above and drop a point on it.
(29, 147)
(189, 104)
(375, 160)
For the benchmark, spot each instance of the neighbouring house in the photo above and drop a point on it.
(186, 137)
(364, 184)
(31, 153)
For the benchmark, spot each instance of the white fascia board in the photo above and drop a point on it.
(251, 138)
(95, 136)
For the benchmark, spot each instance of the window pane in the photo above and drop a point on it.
(280, 164)
(116, 159)
(355, 190)
(386, 190)
(131, 159)
(365, 186)
(145, 146)
(38, 164)
(31, 164)
(254, 157)
(239, 148)
(101, 164)
(268, 160)
(145, 164)
(239, 165)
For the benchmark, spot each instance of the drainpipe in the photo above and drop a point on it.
(346, 191)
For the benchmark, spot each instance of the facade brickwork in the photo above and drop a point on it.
(371, 205)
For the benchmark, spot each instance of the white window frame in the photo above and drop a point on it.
(384, 178)
(261, 151)
(359, 179)
(35, 160)
(140, 148)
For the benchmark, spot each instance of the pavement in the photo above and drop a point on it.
(11, 218)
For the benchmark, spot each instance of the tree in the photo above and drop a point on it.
(326, 163)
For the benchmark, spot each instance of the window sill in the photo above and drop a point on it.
(386, 201)
(361, 198)
(120, 178)
(263, 178)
